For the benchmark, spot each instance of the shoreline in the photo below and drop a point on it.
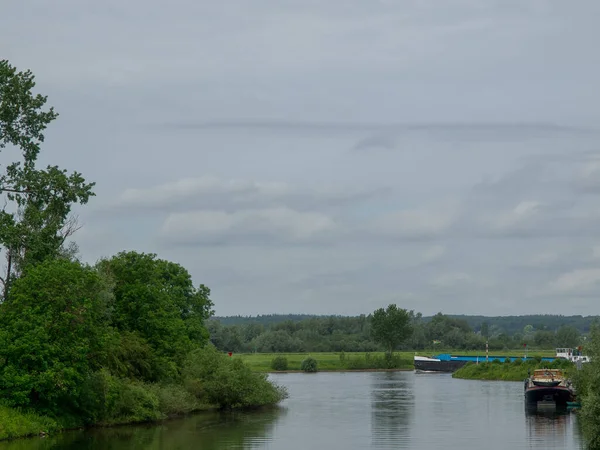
(341, 370)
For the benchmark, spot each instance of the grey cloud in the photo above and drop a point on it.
(437, 154)
(215, 193)
(279, 225)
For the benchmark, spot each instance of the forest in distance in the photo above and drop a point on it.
(276, 333)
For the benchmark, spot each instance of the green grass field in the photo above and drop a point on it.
(331, 361)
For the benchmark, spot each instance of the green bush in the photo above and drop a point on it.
(110, 400)
(175, 400)
(228, 383)
(279, 363)
(309, 365)
(15, 422)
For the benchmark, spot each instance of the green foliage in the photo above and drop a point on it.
(567, 336)
(390, 327)
(15, 422)
(587, 382)
(52, 332)
(279, 363)
(34, 222)
(517, 370)
(309, 365)
(378, 362)
(154, 299)
(216, 379)
(120, 342)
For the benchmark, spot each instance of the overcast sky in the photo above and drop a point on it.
(333, 157)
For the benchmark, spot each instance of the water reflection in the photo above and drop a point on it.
(211, 431)
(550, 424)
(392, 403)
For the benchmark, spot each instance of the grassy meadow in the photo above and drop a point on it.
(340, 361)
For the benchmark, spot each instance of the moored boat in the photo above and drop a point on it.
(436, 364)
(548, 386)
(445, 362)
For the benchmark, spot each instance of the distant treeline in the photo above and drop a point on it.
(312, 333)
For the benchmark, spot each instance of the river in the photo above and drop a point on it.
(365, 410)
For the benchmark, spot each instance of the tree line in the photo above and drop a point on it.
(273, 333)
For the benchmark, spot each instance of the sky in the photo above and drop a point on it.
(333, 157)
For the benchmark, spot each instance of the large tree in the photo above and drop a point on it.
(390, 327)
(156, 303)
(35, 219)
(53, 333)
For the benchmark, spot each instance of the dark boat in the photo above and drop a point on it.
(424, 364)
(548, 386)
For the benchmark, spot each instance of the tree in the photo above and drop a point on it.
(485, 330)
(35, 219)
(567, 336)
(587, 382)
(54, 331)
(157, 301)
(391, 327)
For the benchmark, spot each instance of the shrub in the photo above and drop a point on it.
(279, 363)
(309, 365)
(228, 383)
(174, 400)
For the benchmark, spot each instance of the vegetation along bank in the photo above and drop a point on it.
(516, 370)
(120, 341)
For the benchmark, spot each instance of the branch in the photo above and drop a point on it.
(15, 191)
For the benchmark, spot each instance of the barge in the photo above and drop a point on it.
(548, 386)
(445, 362)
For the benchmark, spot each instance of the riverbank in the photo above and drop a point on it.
(355, 361)
(329, 361)
(15, 423)
(517, 370)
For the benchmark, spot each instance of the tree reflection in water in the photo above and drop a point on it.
(205, 431)
(392, 403)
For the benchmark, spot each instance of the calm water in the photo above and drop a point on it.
(398, 410)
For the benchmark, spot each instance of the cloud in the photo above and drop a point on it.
(447, 280)
(282, 225)
(419, 223)
(577, 282)
(211, 192)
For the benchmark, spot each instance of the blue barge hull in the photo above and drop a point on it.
(448, 357)
(448, 363)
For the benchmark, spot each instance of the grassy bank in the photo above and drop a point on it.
(209, 380)
(261, 362)
(16, 423)
(510, 371)
(340, 361)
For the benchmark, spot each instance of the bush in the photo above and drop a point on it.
(279, 363)
(309, 365)
(15, 422)
(228, 383)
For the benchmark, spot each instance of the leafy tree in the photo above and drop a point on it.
(587, 381)
(567, 336)
(485, 330)
(54, 331)
(156, 300)
(391, 327)
(544, 338)
(35, 220)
